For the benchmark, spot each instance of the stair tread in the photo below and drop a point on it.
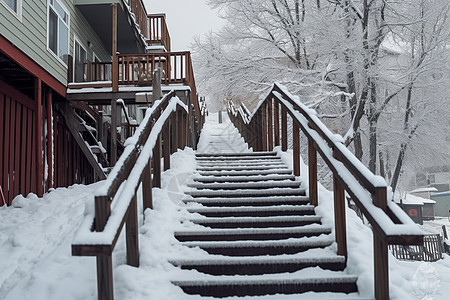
(310, 242)
(254, 178)
(247, 192)
(247, 185)
(255, 219)
(234, 154)
(302, 229)
(278, 208)
(246, 172)
(250, 280)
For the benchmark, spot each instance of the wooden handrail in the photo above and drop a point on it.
(116, 201)
(369, 192)
(158, 31)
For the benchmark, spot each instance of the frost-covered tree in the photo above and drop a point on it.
(375, 69)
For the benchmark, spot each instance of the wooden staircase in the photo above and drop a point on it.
(260, 232)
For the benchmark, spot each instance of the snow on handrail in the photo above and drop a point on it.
(124, 195)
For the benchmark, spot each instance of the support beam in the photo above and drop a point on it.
(49, 141)
(115, 67)
(38, 137)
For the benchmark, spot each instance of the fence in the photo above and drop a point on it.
(431, 250)
(267, 127)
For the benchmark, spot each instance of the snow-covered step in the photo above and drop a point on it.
(268, 286)
(257, 248)
(255, 234)
(250, 201)
(257, 222)
(258, 211)
(207, 163)
(247, 193)
(243, 167)
(259, 266)
(246, 185)
(246, 172)
(255, 178)
(234, 154)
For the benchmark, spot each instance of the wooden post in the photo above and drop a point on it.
(339, 217)
(276, 122)
(166, 145)
(105, 288)
(147, 194)
(180, 135)
(156, 83)
(296, 147)
(38, 125)
(381, 267)
(49, 141)
(312, 166)
(263, 135)
(113, 141)
(157, 163)
(115, 67)
(270, 124)
(284, 144)
(132, 234)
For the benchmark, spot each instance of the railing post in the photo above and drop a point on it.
(180, 132)
(276, 123)
(113, 142)
(269, 124)
(105, 290)
(264, 127)
(312, 166)
(157, 163)
(104, 262)
(147, 194)
(166, 146)
(156, 83)
(381, 267)
(381, 251)
(339, 217)
(132, 234)
(115, 66)
(284, 129)
(296, 147)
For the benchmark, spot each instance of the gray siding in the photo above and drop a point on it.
(30, 35)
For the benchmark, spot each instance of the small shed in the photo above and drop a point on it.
(442, 206)
(425, 192)
(417, 208)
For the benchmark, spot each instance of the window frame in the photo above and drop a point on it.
(57, 34)
(75, 41)
(18, 13)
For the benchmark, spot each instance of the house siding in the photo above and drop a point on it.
(30, 35)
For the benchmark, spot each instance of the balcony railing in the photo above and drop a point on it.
(158, 31)
(138, 9)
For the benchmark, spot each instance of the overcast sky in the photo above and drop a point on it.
(185, 18)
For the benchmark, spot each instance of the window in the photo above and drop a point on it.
(80, 62)
(58, 30)
(13, 5)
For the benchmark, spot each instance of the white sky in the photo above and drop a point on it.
(186, 19)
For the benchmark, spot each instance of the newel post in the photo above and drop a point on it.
(105, 289)
(381, 251)
(312, 166)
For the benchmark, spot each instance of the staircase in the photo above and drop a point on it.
(260, 232)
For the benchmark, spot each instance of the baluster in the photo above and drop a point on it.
(269, 124)
(276, 122)
(157, 162)
(132, 234)
(263, 127)
(312, 166)
(284, 129)
(339, 216)
(296, 147)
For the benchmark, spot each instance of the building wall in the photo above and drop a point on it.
(442, 206)
(29, 34)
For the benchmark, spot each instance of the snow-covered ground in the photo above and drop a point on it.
(36, 235)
